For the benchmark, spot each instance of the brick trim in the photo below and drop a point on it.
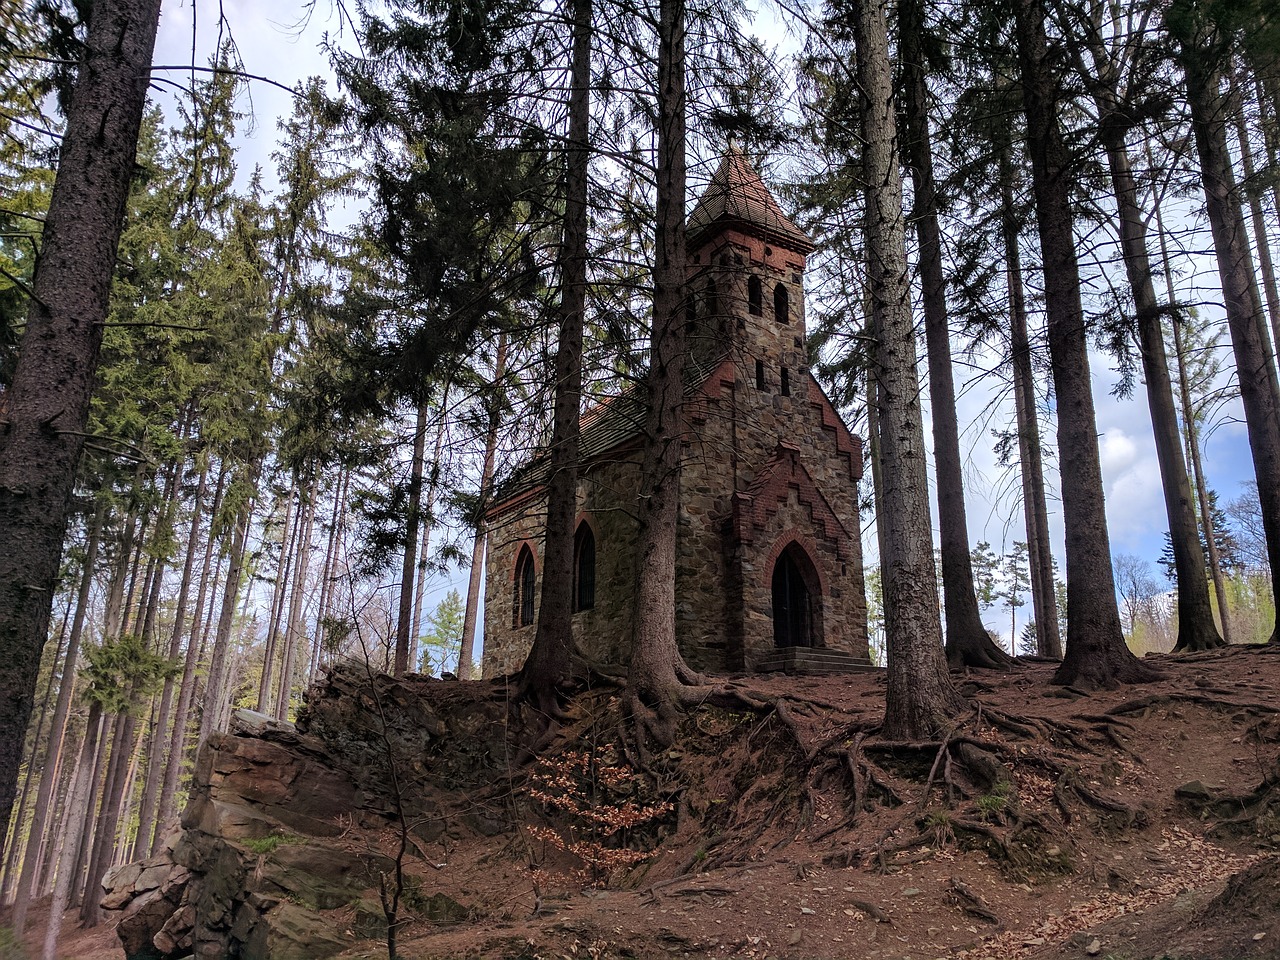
(806, 546)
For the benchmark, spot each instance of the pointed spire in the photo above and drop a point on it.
(737, 197)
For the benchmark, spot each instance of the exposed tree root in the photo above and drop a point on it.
(971, 903)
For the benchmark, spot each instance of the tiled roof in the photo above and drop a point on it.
(737, 197)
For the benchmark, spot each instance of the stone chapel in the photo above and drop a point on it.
(769, 553)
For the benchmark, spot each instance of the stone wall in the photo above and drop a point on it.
(734, 425)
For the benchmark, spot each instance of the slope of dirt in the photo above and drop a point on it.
(1135, 824)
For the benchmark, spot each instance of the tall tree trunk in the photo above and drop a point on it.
(28, 880)
(16, 848)
(1266, 266)
(428, 518)
(104, 836)
(404, 621)
(1201, 54)
(657, 672)
(1096, 651)
(287, 537)
(549, 662)
(47, 404)
(968, 643)
(222, 639)
(476, 577)
(78, 812)
(326, 577)
(1192, 437)
(294, 625)
(1196, 629)
(160, 732)
(920, 698)
(1035, 508)
(186, 689)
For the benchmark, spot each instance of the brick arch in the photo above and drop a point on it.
(806, 546)
(515, 556)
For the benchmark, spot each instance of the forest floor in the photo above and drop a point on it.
(1139, 823)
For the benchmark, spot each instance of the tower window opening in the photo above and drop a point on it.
(781, 304)
(755, 296)
(759, 374)
(784, 383)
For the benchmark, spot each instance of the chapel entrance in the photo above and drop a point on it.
(793, 619)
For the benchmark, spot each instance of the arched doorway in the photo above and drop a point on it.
(794, 620)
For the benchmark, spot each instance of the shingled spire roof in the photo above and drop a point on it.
(737, 197)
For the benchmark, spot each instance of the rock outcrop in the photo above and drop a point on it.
(282, 852)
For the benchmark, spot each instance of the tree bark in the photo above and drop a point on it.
(1192, 440)
(186, 689)
(466, 650)
(1266, 267)
(1096, 651)
(549, 663)
(47, 406)
(283, 566)
(78, 812)
(1255, 372)
(968, 643)
(657, 673)
(222, 639)
(28, 880)
(404, 622)
(1035, 509)
(920, 699)
(1196, 629)
(160, 732)
(293, 627)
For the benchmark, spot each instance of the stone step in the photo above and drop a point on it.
(812, 660)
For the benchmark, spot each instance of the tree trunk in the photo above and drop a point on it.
(920, 699)
(549, 662)
(1192, 439)
(1255, 372)
(113, 788)
(222, 639)
(16, 848)
(657, 671)
(47, 404)
(466, 651)
(1035, 509)
(28, 880)
(287, 537)
(160, 733)
(1096, 651)
(78, 812)
(404, 622)
(293, 626)
(186, 689)
(428, 518)
(1266, 267)
(968, 643)
(1196, 629)
(326, 578)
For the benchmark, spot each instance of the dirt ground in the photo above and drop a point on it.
(1141, 823)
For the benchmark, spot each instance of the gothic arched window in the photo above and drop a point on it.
(526, 582)
(781, 304)
(584, 568)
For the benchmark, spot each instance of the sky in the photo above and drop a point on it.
(274, 42)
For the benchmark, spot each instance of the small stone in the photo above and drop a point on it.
(911, 892)
(806, 910)
(1033, 942)
(1053, 852)
(1094, 948)
(794, 938)
(1259, 936)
